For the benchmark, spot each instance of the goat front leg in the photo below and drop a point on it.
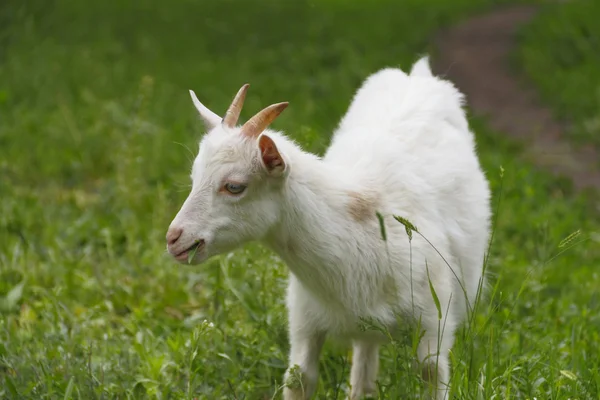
(365, 364)
(306, 342)
(303, 372)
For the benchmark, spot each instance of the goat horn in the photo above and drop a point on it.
(234, 110)
(210, 118)
(255, 125)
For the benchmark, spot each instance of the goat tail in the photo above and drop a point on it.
(421, 67)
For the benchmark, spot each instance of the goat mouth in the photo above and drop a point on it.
(193, 250)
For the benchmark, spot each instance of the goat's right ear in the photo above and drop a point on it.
(271, 157)
(210, 118)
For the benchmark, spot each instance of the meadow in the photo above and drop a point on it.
(564, 43)
(97, 135)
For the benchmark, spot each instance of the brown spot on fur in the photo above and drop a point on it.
(361, 206)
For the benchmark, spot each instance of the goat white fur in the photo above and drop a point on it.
(403, 148)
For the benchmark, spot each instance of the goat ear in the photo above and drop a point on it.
(210, 118)
(270, 156)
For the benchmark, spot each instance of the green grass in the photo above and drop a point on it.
(560, 52)
(97, 133)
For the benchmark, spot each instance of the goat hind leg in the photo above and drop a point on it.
(365, 364)
(433, 351)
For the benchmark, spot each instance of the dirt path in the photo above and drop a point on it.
(474, 55)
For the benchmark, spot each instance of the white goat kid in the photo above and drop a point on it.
(403, 148)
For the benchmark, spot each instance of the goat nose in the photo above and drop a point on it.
(173, 234)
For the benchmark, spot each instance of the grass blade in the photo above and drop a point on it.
(568, 374)
(69, 388)
(192, 253)
(436, 300)
(13, 297)
(381, 226)
(569, 238)
(407, 225)
(10, 385)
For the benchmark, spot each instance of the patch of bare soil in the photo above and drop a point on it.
(475, 56)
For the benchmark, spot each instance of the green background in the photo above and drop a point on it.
(97, 135)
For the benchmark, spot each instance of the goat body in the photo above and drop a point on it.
(403, 149)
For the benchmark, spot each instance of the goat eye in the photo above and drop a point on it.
(234, 188)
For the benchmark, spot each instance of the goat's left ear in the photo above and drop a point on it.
(270, 156)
